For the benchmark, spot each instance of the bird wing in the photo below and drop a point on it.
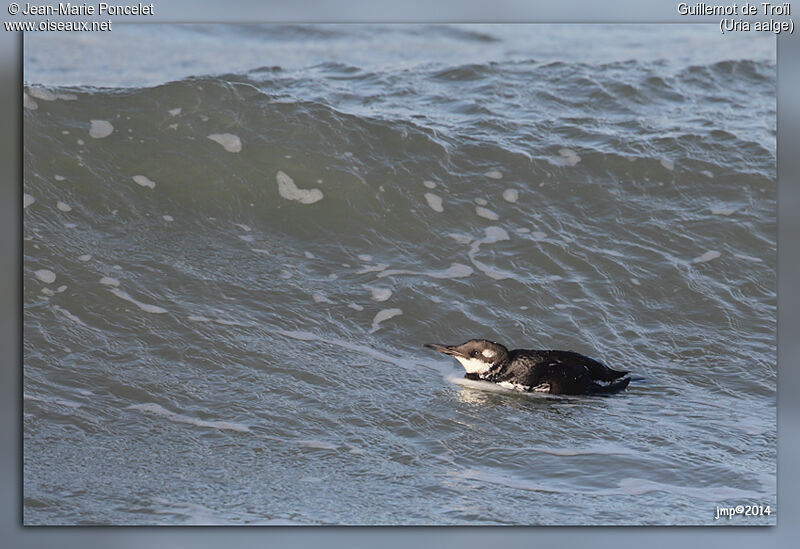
(597, 370)
(564, 377)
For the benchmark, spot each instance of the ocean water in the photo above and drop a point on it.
(234, 251)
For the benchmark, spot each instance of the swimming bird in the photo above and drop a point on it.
(554, 372)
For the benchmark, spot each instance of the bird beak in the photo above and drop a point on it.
(446, 349)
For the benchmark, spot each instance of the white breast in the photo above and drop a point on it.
(515, 386)
(474, 365)
(543, 388)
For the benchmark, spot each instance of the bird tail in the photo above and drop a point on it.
(611, 388)
(616, 373)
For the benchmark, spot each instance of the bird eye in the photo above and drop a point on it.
(473, 353)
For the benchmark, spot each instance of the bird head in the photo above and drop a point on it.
(477, 356)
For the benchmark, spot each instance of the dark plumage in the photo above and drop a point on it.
(555, 372)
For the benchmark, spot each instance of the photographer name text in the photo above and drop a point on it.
(102, 8)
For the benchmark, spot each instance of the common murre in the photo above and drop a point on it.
(554, 372)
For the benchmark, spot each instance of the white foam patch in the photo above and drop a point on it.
(45, 275)
(373, 268)
(383, 316)
(246, 237)
(198, 318)
(64, 207)
(288, 190)
(456, 270)
(317, 445)
(29, 103)
(168, 218)
(157, 409)
(109, 281)
(365, 257)
(747, 258)
(538, 235)
(569, 157)
(245, 228)
(59, 177)
(27, 200)
(146, 307)
(355, 306)
(491, 272)
(69, 315)
(707, 174)
(635, 282)
(174, 112)
(67, 96)
(435, 202)
(429, 184)
(319, 298)
(560, 306)
(668, 164)
(494, 174)
(460, 238)
(604, 449)
(42, 93)
(723, 211)
(492, 235)
(100, 129)
(229, 142)
(481, 202)
(61, 288)
(708, 256)
(85, 257)
(380, 294)
(144, 181)
(486, 213)
(511, 195)
(227, 322)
